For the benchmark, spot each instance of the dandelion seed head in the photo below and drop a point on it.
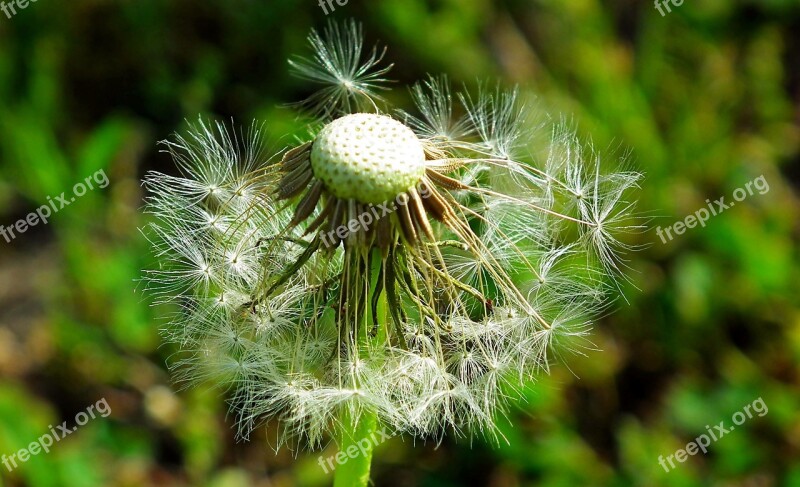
(302, 293)
(368, 158)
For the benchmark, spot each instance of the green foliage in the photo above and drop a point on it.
(703, 100)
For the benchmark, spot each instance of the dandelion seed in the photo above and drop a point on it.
(350, 80)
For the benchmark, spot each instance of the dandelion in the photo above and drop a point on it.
(409, 270)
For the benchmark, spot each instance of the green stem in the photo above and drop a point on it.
(357, 437)
(356, 441)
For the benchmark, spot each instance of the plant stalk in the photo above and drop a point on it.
(357, 437)
(356, 443)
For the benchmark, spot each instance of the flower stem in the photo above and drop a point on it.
(356, 441)
(357, 436)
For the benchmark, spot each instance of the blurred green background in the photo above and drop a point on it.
(703, 99)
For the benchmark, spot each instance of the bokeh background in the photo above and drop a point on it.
(702, 100)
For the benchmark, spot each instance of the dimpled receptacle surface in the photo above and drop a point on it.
(368, 158)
